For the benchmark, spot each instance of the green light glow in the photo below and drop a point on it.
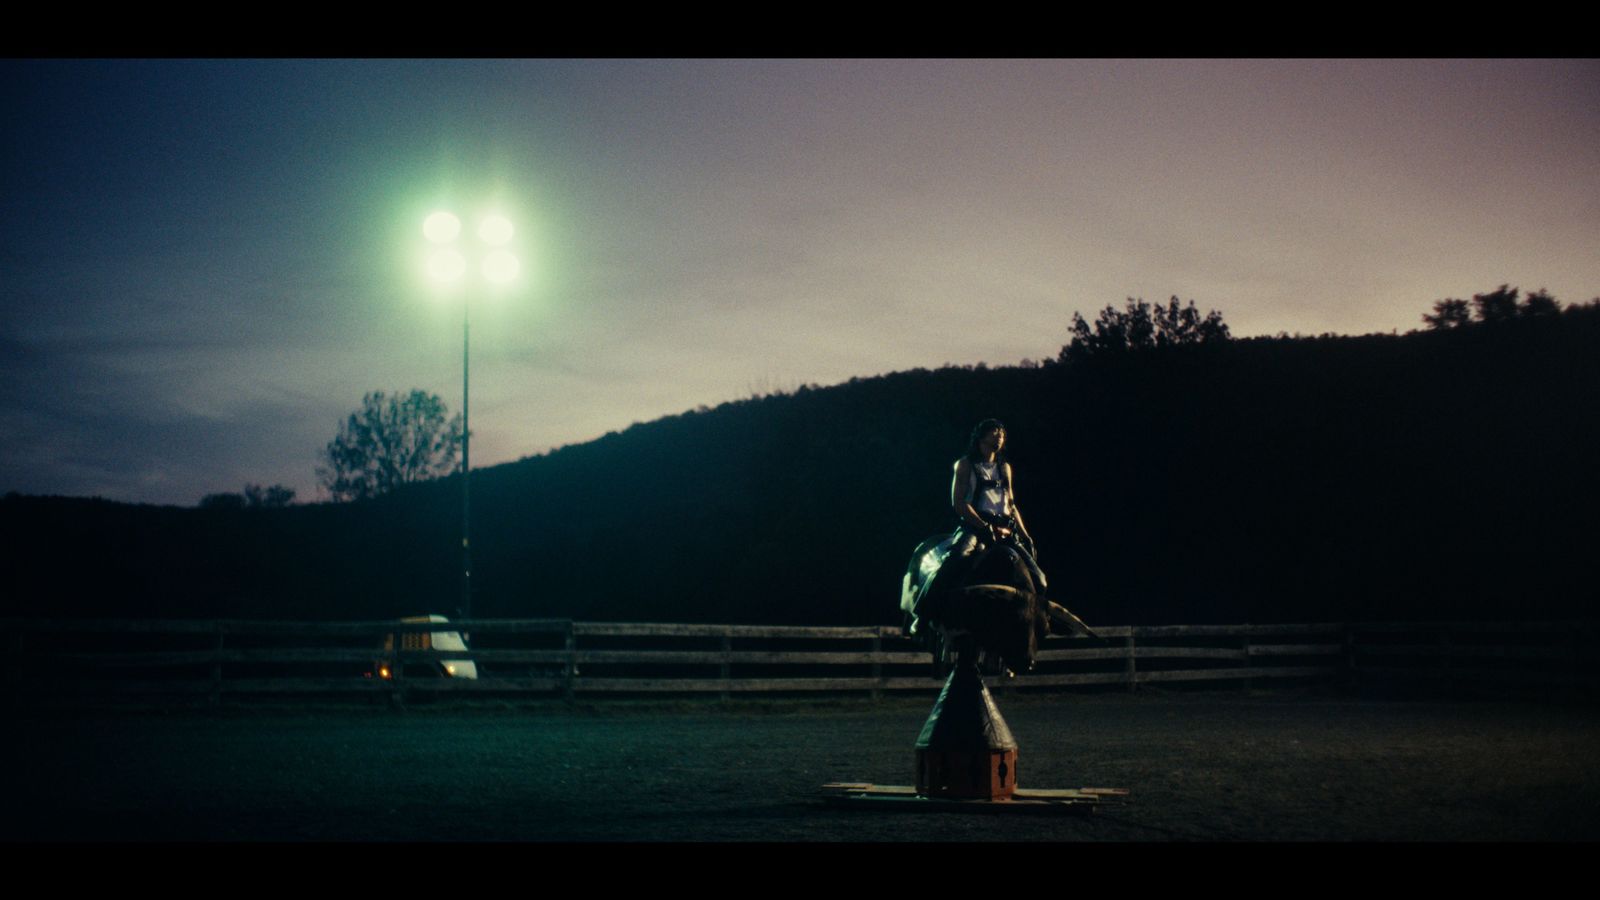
(446, 265)
(495, 230)
(441, 227)
(500, 266)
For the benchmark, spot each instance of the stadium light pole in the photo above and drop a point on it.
(447, 266)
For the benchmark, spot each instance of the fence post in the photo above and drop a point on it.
(571, 690)
(723, 669)
(877, 667)
(397, 669)
(1244, 644)
(1133, 675)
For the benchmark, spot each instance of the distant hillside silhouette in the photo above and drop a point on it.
(1448, 474)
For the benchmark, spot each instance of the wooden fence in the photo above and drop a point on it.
(565, 659)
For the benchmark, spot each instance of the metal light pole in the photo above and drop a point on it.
(447, 265)
(465, 610)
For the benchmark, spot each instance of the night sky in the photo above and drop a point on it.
(207, 264)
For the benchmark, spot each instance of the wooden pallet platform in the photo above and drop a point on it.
(1059, 801)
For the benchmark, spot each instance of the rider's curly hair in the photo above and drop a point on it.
(978, 431)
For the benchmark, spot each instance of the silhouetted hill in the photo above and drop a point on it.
(1442, 475)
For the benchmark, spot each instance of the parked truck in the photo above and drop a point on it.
(413, 641)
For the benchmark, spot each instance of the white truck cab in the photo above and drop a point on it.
(429, 640)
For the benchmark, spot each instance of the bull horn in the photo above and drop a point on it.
(1060, 615)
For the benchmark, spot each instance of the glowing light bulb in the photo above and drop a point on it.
(495, 230)
(500, 266)
(441, 227)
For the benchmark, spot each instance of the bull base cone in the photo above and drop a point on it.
(967, 762)
(966, 750)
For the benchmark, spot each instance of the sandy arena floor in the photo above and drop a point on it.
(1202, 767)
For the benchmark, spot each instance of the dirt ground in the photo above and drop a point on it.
(1201, 767)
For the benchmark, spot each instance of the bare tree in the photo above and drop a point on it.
(391, 440)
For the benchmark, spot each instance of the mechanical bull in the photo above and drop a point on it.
(967, 599)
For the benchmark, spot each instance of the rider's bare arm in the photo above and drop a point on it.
(1015, 512)
(958, 496)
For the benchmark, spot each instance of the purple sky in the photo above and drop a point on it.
(207, 264)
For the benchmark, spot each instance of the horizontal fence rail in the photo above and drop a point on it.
(561, 658)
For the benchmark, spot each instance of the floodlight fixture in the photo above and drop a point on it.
(441, 227)
(500, 266)
(495, 230)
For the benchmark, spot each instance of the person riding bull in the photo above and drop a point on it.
(983, 500)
